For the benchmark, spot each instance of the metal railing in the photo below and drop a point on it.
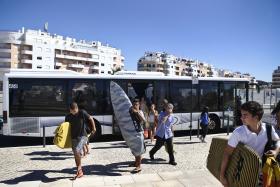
(44, 132)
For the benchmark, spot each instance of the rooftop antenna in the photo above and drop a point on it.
(46, 27)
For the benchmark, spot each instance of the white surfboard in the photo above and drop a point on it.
(121, 105)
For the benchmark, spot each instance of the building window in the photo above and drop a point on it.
(102, 64)
(102, 71)
(39, 58)
(39, 67)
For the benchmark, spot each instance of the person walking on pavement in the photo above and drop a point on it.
(153, 115)
(204, 122)
(165, 134)
(144, 108)
(138, 117)
(77, 118)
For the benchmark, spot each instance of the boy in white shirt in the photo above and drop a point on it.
(252, 133)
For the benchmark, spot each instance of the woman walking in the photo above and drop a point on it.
(152, 116)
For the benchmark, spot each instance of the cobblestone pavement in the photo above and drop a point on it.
(48, 164)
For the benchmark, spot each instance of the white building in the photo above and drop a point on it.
(276, 78)
(192, 69)
(34, 49)
(169, 64)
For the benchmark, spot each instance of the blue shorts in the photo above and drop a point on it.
(78, 144)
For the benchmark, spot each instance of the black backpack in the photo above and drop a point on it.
(271, 144)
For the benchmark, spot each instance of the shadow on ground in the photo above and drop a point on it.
(113, 169)
(47, 155)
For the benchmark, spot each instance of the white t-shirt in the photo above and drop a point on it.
(256, 141)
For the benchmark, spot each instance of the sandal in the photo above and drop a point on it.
(137, 169)
(79, 174)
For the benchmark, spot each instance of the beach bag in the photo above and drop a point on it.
(62, 136)
(271, 173)
(271, 144)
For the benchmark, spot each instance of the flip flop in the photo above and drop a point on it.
(79, 174)
(137, 170)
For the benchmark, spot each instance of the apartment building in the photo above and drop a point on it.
(171, 65)
(35, 49)
(276, 78)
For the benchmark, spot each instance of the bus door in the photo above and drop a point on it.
(210, 96)
(94, 97)
(144, 91)
(161, 92)
(140, 89)
(228, 103)
(234, 95)
(181, 97)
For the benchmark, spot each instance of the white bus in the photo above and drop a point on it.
(32, 100)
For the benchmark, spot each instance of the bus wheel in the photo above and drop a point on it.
(214, 122)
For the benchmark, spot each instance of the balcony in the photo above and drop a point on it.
(58, 64)
(26, 61)
(94, 67)
(5, 50)
(26, 52)
(77, 66)
(5, 60)
(70, 57)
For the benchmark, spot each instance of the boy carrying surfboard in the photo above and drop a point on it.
(138, 118)
(252, 133)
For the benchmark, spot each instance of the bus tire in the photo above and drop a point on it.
(215, 122)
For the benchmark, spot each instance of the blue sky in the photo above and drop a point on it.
(239, 35)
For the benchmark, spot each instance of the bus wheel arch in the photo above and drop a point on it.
(215, 122)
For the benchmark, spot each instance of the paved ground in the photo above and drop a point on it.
(52, 165)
